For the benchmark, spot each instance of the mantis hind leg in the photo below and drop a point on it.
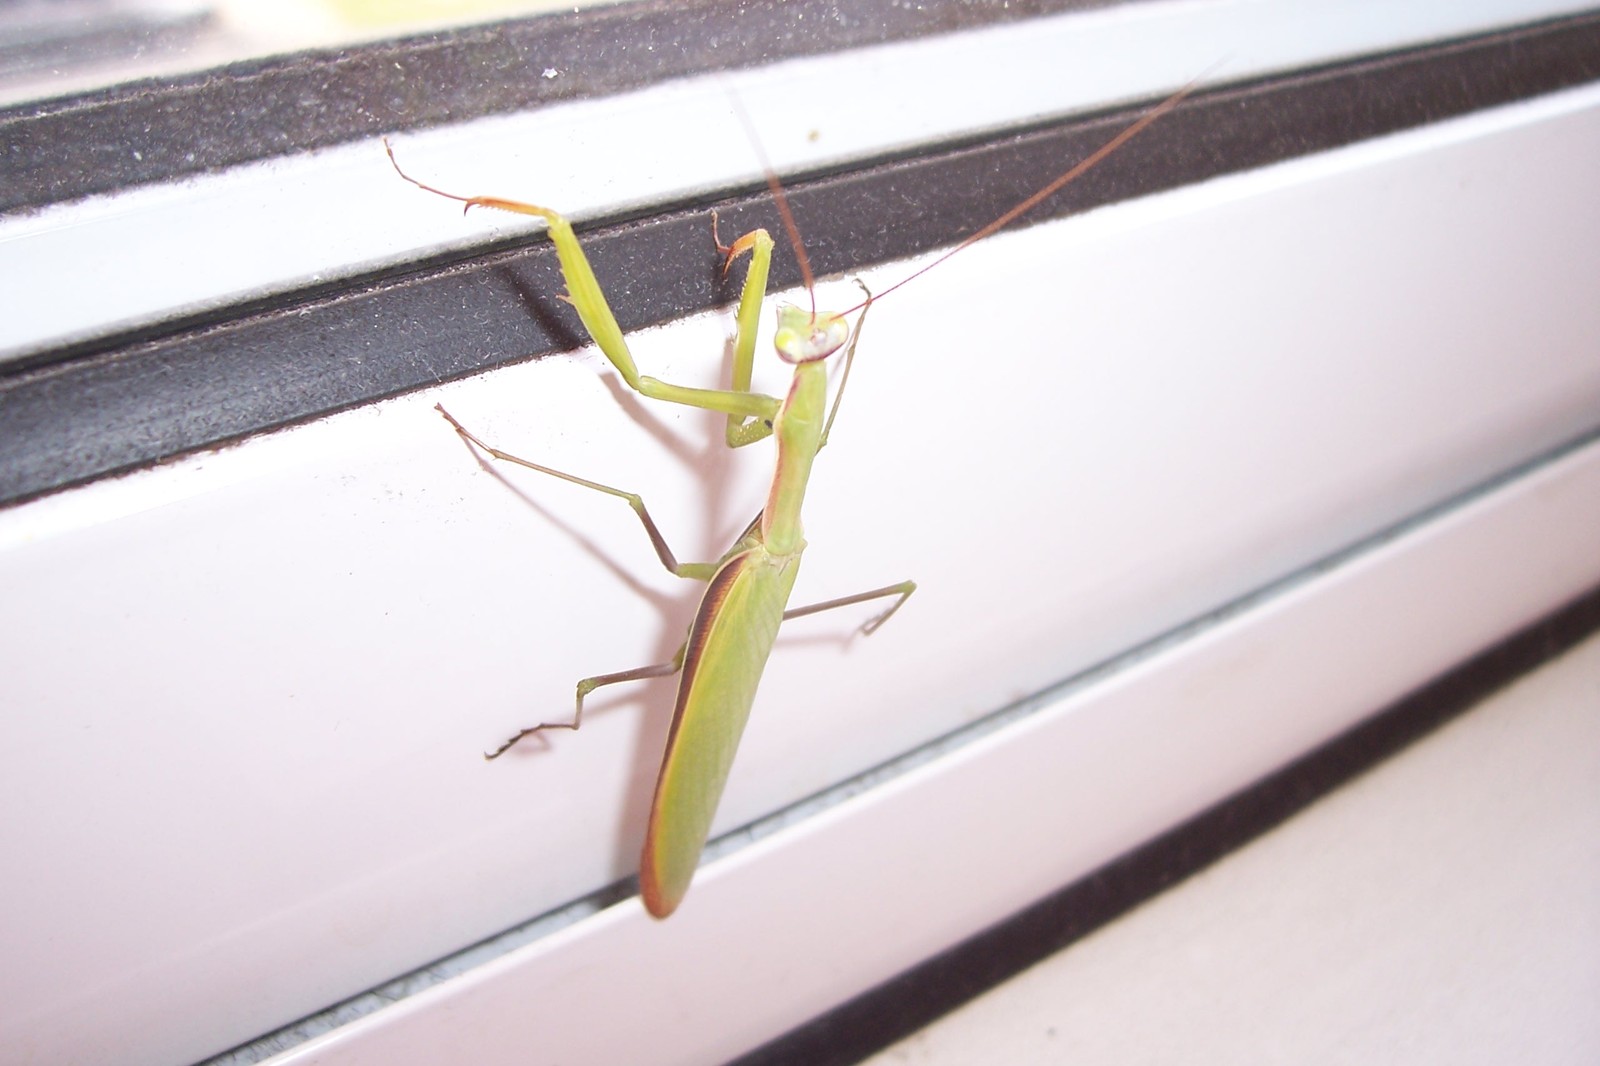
(903, 590)
(697, 571)
(588, 685)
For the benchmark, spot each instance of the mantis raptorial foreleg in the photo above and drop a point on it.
(742, 431)
(584, 293)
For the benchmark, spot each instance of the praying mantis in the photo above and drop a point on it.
(747, 590)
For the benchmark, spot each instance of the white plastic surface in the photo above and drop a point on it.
(246, 693)
(311, 217)
(1442, 903)
(805, 918)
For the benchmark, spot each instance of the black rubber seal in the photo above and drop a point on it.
(132, 401)
(158, 130)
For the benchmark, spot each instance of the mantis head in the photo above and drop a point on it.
(804, 336)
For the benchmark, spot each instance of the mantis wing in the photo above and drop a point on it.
(729, 642)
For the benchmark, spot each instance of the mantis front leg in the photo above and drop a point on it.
(749, 413)
(758, 243)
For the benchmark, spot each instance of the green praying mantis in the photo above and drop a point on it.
(747, 590)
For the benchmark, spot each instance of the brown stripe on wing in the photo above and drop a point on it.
(716, 594)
